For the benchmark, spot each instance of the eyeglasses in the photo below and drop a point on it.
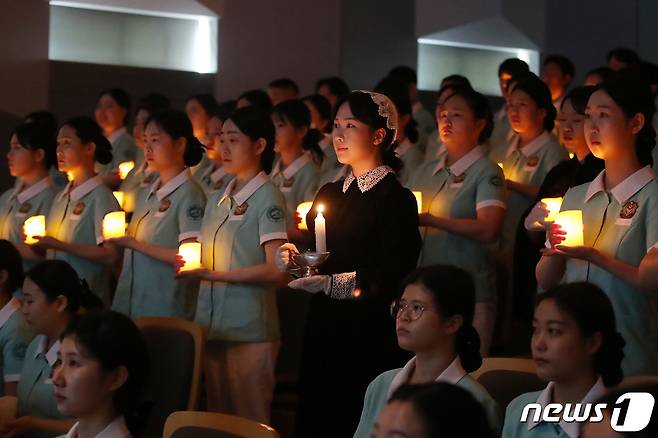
(416, 310)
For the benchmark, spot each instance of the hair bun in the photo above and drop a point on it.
(194, 151)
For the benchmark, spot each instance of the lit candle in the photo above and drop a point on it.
(69, 175)
(114, 224)
(191, 254)
(34, 226)
(320, 231)
(419, 201)
(120, 198)
(302, 210)
(125, 168)
(570, 155)
(553, 206)
(500, 164)
(571, 221)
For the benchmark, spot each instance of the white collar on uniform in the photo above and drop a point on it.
(325, 142)
(368, 180)
(116, 429)
(218, 174)
(246, 191)
(453, 374)
(5, 313)
(546, 397)
(116, 134)
(625, 189)
(532, 147)
(31, 192)
(51, 355)
(294, 167)
(460, 166)
(404, 147)
(172, 185)
(80, 191)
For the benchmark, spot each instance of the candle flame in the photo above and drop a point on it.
(320, 208)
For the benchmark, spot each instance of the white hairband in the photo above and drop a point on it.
(386, 109)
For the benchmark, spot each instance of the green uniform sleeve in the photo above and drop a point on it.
(490, 189)
(190, 214)
(15, 339)
(271, 219)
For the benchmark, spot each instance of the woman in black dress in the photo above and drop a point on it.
(373, 239)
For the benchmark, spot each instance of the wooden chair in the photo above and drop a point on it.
(507, 378)
(213, 425)
(176, 349)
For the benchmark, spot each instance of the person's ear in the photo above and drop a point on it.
(453, 324)
(594, 343)
(4, 278)
(118, 378)
(39, 155)
(379, 136)
(61, 303)
(261, 144)
(637, 123)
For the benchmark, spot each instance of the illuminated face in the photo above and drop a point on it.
(503, 82)
(239, 151)
(287, 135)
(353, 140)
(398, 420)
(610, 135)
(39, 313)
(427, 332)
(109, 114)
(211, 139)
(138, 129)
(458, 127)
(558, 347)
(524, 114)
(22, 160)
(572, 133)
(198, 117)
(71, 153)
(161, 151)
(556, 81)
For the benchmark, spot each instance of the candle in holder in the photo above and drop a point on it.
(125, 168)
(571, 221)
(571, 155)
(419, 201)
(120, 198)
(191, 254)
(320, 231)
(302, 210)
(114, 224)
(34, 226)
(553, 206)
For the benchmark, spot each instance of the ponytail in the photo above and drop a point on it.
(88, 299)
(194, 151)
(88, 131)
(311, 143)
(467, 344)
(177, 125)
(390, 158)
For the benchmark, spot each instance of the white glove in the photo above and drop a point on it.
(535, 221)
(313, 284)
(284, 256)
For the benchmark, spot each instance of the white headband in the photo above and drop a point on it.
(386, 109)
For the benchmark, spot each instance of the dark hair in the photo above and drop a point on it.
(57, 277)
(455, 80)
(404, 74)
(337, 86)
(365, 110)
(540, 94)
(445, 410)
(297, 114)
(224, 109)
(114, 341)
(177, 125)
(566, 66)
(258, 98)
(626, 56)
(322, 106)
(206, 100)
(578, 98)
(255, 124)
(45, 120)
(285, 83)
(453, 292)
(11, 261)
(633, 95)
(398, 92)
(120, 97)
(590, 307)
(513, 66)
(33, 136)
(649, 71)
(88, 131)
(602, 72)
(153, 102)
(479, 106)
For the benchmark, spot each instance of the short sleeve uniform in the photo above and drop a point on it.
(298, 182)
(169, 215)
(18, 204)
(457, 192)
(76, 217)
(527, 165)
(621, 223)
(15, 336)
(411, 157)
(235, 228)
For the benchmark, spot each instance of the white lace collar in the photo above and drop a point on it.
(368, 180)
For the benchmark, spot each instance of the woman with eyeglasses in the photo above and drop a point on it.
(434, 320)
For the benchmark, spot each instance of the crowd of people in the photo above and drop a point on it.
(441, 249)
